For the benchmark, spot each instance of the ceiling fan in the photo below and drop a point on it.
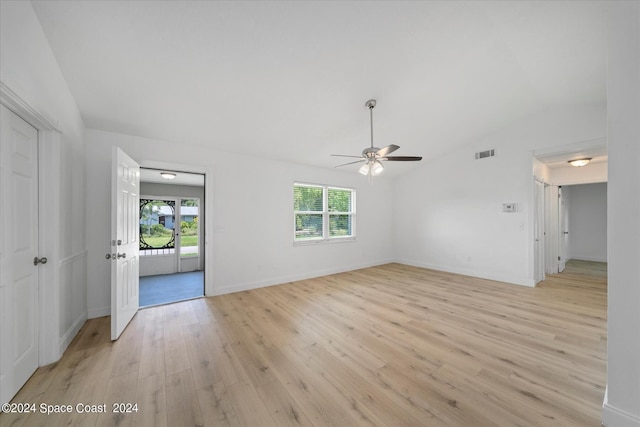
(374, 156)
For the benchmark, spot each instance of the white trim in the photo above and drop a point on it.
(68, 336)
(293, 278)
(18, 105)
(49, 151)
(65, 340)
(587, 258)
(73, 257)
(614, 417)
(49, 214)
(99, 312)
(326, 216)
(521, 281)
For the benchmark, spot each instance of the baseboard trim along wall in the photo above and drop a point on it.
(70, 334)
(614, 417)
(521, 281)
(286, 279)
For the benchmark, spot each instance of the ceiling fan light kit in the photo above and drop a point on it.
(373, 156)
(372, 168)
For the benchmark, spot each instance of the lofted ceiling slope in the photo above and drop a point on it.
(288, 80)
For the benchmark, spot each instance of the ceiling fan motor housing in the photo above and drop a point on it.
(370, 153)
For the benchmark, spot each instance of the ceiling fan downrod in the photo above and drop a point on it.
(370, 104)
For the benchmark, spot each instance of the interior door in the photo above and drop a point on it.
(563, 237)
(539, 231)
(18, 247)
(551, 229)
(125, 229)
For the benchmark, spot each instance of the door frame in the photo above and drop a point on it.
(206, 229)
(552, 225)
(539, 229)
(200, 246)
(49, 345)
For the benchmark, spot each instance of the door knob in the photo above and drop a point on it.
(37, 260)
(122, 255)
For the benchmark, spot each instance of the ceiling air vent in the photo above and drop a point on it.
(484, 154)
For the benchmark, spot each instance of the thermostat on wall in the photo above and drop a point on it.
(508, 207)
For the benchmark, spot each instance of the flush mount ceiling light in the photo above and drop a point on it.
(168, 175)
(374, 156)
(579, 162)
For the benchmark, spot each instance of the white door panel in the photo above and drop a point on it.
(539, 232)
(551, 229)
(125, 187)
(19, 246)
(563, 236)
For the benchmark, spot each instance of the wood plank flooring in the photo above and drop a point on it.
(385, 346)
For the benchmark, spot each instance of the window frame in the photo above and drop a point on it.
(326, 215)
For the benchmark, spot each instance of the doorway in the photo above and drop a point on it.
(572, 221)
(171, 236)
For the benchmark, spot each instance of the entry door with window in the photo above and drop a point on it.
(19, 262)
(169, 235)
(563, 227)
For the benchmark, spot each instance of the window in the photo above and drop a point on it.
(189, 224)
(323, 213)
(157, 228)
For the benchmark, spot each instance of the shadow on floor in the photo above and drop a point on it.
(167, 288)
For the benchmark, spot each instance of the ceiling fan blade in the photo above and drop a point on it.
(386, 150)
(350, 163)
(345, 155)
(403, 158)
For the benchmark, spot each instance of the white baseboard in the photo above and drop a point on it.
(522, 281)
(98, 312)
(586, 258)
(71, 333)
(292, 278)
(614, 417)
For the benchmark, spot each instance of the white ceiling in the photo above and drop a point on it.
(288, 80)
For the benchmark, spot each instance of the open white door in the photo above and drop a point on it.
(125, 199)
(551, 230)
(563, 237)
(19, 262)
(538, 231)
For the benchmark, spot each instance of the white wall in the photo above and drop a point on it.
(622, 400)
(249, 217)
(30, 70)
(448, 213)
(587, 209)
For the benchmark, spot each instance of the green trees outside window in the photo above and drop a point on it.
(158, 226)
(322, 212)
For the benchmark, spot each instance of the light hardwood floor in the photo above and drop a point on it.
(385, 346)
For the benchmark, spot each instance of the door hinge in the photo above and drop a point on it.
(558, 258)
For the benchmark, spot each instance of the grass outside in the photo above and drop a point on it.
(162, 240)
